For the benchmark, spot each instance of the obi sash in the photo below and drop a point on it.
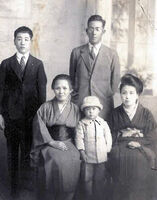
(61, 132)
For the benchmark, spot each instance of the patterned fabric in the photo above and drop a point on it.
(92, 53)
(22, 63)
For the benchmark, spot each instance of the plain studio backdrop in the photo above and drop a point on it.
(59, 26)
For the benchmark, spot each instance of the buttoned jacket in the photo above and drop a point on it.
(101, 79)
(21, 93)
(94, 137)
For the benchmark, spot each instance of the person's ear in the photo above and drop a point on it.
(104, 31)
(137, 100)
(86, 30)
(71, 91)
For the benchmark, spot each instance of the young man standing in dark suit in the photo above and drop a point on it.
(22, 91)
(94, 68)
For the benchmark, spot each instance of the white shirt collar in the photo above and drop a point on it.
(19, 56)
(96, 47)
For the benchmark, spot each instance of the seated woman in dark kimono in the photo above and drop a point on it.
(53, 150)
(132, 159)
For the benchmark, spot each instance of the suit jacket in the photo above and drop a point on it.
(21, 94)
(101, 79)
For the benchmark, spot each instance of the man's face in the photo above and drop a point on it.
(23, 42)
(95, 32)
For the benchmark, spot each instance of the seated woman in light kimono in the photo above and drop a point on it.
(53, 151)
(132, 159)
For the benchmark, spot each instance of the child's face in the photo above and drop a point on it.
(23, 42)
(91, 112)
(62, 90)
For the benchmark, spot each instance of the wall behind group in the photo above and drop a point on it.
(57, 26)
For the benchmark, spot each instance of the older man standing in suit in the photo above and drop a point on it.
(94, 68)
(22, 91)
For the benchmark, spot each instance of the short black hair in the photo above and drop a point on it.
(23, 29)
(61, 77)
(96, 18)
(129, 79)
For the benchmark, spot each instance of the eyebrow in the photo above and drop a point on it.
(24, 37)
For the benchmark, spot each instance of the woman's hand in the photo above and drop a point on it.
(134, 144)
(83, 155)
(58, 145)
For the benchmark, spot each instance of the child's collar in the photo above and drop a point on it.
(88, 121)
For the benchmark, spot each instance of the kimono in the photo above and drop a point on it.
(58, 170)
(130, 168)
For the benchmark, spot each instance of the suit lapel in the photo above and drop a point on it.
(16, 67)
(29, 66)
(85, 56)
(100, 57)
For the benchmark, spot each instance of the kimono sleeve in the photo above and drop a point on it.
(79, 138)
(41, 134)
(113, 128)
(151, 129)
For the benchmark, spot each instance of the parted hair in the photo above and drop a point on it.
(131, 80)
(23, 29)
(96, 18)
(61, 77)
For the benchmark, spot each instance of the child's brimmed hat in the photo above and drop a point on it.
(91, 101)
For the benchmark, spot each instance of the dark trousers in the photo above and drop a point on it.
(94, 181)
(18, 136)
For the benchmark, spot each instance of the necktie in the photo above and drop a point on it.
(92, 53)
(22, 63)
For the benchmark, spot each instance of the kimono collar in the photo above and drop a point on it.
(131, 112)
(63, 113)
(89, 121)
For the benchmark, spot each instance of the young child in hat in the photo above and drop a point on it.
(93, 140)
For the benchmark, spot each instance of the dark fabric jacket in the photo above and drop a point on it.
(21, 94)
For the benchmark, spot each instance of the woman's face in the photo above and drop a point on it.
(129, 96)
(62, 90)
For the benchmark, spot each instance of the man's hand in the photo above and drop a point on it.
(2, 124)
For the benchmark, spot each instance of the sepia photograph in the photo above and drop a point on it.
(78, 100)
